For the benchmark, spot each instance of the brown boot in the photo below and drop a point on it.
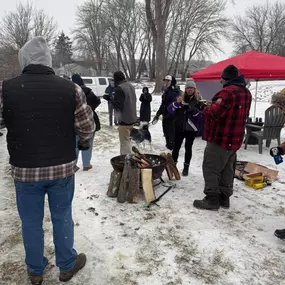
(35, 280)
(80, 263)
(86, 168)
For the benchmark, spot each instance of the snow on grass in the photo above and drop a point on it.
(167, 245)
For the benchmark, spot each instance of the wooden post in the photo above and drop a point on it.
(133, 193)
(114, 184)
(124, 183)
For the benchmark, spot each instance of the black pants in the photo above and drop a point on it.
(218, 170)
(168, 131)
(178, 140)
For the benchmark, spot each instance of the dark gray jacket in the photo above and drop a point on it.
(125, 102)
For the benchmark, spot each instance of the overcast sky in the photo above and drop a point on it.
(64, 12)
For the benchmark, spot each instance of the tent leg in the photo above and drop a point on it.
(256, 85)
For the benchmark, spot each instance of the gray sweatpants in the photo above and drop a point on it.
(218, 170)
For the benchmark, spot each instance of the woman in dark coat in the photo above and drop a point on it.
(145, 110)
(187, 122)
(93, 101)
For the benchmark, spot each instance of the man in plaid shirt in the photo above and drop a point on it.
(42, 114)
(225, 120)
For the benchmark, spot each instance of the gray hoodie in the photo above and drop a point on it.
(35, 51)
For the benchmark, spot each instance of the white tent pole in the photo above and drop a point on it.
(256, 85)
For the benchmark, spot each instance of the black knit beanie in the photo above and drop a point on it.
(119, 76)
(76, 78)
(230, 72)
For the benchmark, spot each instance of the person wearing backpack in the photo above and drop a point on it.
(93, 102)
(187, 119)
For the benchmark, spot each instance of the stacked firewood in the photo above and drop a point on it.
(140, 159)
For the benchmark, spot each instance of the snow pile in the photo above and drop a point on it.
(168, 245)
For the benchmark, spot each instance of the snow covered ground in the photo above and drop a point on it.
(168, 245)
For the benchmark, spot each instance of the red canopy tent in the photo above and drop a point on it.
(253, 65)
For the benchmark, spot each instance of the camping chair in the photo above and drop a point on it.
(273, 124)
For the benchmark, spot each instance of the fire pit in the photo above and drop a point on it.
(158, 164)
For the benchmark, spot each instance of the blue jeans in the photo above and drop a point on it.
(86, 154)
(30, 202)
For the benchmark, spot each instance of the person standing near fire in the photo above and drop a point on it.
(124, 102)
(225, 120)
(170, 95)
(187, 119)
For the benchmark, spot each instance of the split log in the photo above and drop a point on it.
(124, 183)
(114, 184)
(173, 166)
(133, 193)
(168, 168)
(147, 185)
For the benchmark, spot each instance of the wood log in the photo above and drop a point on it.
(133, 193)
(168, 168)
(147, 185)
(173, 166)
(124, 183)
(114, 184)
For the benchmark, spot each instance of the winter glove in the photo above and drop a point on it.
(107, 97)
(155, 119)
(276, 151)
(83, 146)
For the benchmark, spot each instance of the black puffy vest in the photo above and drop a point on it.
(38, 111)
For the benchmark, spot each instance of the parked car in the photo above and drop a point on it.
(97, 84)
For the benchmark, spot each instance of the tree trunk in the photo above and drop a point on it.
(160, 56)
(153, 60)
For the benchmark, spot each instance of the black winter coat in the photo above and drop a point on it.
(93, 101)
(145, 109)
(169, 96)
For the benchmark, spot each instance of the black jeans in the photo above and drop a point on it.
(179, 136)
(218, 170)
(168, 131)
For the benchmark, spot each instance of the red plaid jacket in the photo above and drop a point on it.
(225, 118)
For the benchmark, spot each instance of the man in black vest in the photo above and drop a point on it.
(125, 104)
(42, 114)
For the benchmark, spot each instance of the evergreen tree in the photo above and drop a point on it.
(63, 50)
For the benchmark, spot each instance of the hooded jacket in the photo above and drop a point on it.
(145, 109)
(38, 111)
(169, 96)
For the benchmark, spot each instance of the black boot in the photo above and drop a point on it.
(210, 202)
(224, 201)
(185, 169)
(280, 234)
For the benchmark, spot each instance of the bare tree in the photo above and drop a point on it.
(262, 29)
(157, 21)
(113, 31)
(195, 29)
(9, 64)
(91, 32)
(19, 26)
